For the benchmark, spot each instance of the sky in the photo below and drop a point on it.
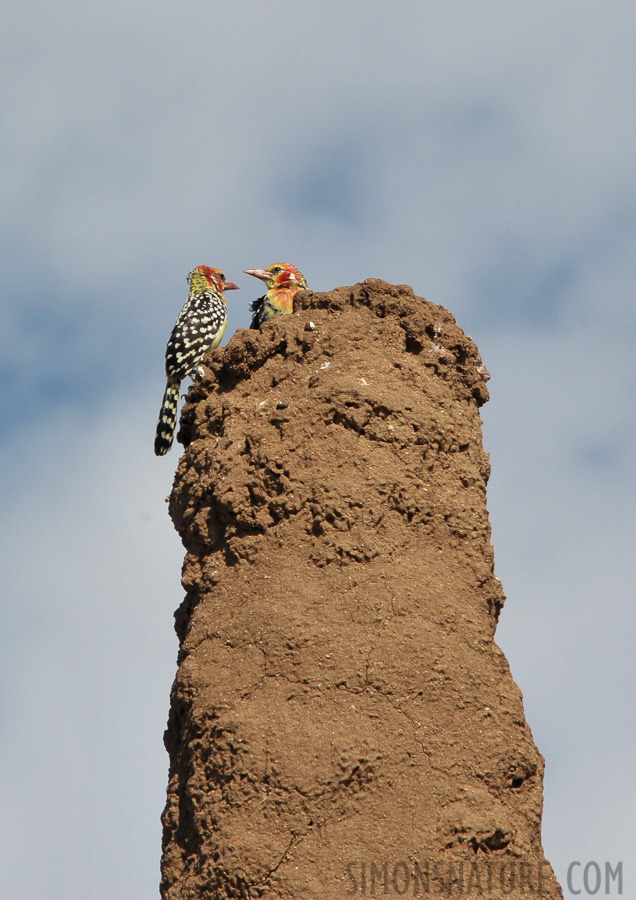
(482, 153)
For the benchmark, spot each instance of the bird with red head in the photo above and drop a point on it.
(200, 327)
(283, 282)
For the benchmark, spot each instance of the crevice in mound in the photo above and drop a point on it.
(490, 843)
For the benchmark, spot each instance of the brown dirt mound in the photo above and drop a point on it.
(342, 722)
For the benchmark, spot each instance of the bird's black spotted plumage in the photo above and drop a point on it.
(199, 328)
(203, 317)
(259, 311)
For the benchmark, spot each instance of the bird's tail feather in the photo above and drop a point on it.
(167, 418)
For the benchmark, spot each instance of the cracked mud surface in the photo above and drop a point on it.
(340, 701)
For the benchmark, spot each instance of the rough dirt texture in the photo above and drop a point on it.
(342, 722)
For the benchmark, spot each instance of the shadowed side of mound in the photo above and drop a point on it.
(342, 720)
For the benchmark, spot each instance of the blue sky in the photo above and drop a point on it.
(484, 154)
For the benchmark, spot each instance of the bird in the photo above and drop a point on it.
(283, 281)
(199, 327)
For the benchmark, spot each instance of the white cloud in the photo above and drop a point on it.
(91, 576)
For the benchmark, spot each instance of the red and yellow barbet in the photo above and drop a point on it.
(283, 281)
(199, 328)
